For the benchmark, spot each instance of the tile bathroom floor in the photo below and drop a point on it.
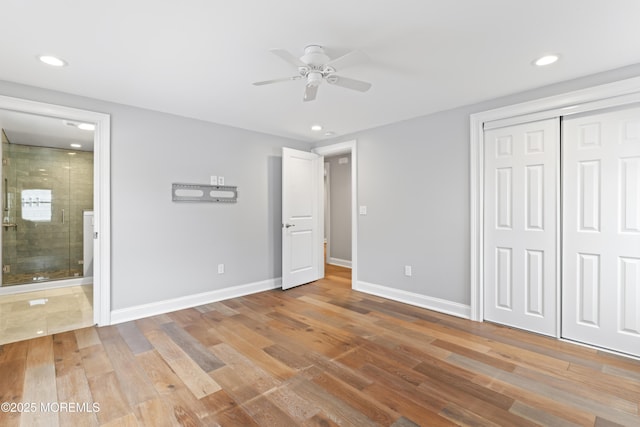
(33, 314)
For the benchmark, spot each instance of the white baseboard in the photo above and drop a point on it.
(339, 262)
(435, 304)
(167, 306)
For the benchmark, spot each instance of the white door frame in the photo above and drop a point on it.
(346, 148)
(326, 209)
(619, 93)
(101, 192)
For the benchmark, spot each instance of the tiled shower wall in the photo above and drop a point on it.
(47, 249)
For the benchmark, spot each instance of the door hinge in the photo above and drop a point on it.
(95, 235)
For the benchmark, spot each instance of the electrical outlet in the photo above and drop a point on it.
(220, 268)
(221, 180)
(214, 180)
(407, 270)
(362, 210)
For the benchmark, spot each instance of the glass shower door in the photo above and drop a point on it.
(37, 202)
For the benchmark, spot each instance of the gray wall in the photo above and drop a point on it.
(340, 207)
(163, 250)
(413, 176)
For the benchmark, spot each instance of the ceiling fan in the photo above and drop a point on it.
(315, 67)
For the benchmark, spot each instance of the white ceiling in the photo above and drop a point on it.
(198, 58)
(43, 131)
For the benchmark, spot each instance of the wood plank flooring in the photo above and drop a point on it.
(316, 355)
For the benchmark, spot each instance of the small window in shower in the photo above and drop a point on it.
(36, 205)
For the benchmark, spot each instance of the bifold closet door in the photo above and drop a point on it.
(601, 237)
(520, 225)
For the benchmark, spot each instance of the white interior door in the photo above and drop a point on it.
(520, 225)
(302, 217)
(601, 244)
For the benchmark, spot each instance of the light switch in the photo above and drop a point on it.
(221, 180)
(363, 210)
(214, 180)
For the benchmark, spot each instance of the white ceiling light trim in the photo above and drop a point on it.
(54, 61)
(546, 60)
(87, 126)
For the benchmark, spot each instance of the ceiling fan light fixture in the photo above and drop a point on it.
(314, 78)
(546, 60)
(315, 66)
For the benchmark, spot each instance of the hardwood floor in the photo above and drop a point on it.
(316, 355)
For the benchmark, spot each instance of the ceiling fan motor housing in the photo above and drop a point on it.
(314, 56)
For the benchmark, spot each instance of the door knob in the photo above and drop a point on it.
(289, 225)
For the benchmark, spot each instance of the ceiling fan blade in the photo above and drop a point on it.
(348, 83)
(310, 93)
(289, 57)
(351, 58)
(284, 79)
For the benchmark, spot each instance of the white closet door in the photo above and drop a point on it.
(601, 244)
(520, 226)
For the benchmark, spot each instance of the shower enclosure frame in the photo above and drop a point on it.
(101, 192)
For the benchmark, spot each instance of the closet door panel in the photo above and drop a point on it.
(520, 231)
(601, 223)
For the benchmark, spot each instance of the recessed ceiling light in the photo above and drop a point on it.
(52, 60)
(316, 128)
(546, 60)
(87, 126)
(76, 145)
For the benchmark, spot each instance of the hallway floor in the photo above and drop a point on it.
(34, 314)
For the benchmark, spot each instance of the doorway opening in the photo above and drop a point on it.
(47, 198)
(340, 220)
(337, 215)
(47, 226)
(56, 222)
